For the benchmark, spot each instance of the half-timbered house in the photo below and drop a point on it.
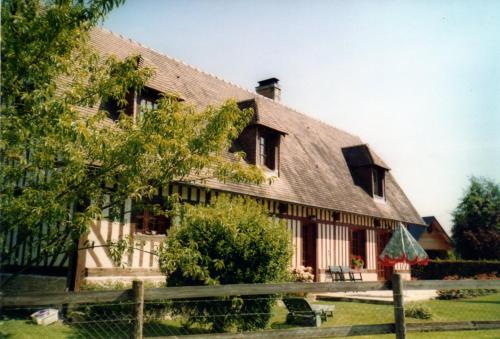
(338, 197)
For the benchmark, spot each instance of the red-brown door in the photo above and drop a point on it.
(309, 258)
(383, 272)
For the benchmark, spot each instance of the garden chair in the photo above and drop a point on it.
(300, 312)
(352, 274)
(336, 273)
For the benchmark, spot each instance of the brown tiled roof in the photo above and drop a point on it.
(313, 170)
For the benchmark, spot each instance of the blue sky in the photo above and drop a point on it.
(417, 80)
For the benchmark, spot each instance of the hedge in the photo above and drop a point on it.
(439, 269)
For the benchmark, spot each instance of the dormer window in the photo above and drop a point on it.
(261, 146)
(146, 103)
(114, 108)
(268, 148)
(367, 170)
(378, 182)
(260, 142)
(263, 151)
(111, 107)
(147, 100)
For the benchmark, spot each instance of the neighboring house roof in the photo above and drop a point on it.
(313, 170)
(431, 221)
(428, 220)
(416, 230)
(432, 237)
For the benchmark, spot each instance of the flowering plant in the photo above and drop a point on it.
(302, 274)
(357, 261)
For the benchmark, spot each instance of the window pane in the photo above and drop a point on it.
(146, 222)
(377, 183)
(263, 154)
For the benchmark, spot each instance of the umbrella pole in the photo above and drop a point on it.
(399, 310)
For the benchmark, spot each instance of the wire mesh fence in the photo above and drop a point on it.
(256, 313)
(113, 320)
(208, 315)
(456, 305)
(163, 318)
(103, 320)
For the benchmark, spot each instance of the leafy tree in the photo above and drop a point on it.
(476, 221)
(62, 165)
(231, 241)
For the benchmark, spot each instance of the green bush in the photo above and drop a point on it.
(123, 309)
(120, 311)
(463, 293)
(232, 241)
(417, 311)
(439, 269)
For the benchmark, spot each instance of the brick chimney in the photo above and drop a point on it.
(269, 88)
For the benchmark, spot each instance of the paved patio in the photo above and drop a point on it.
(377, 297)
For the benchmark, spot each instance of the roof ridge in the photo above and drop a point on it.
(260, 96)
(176, 60)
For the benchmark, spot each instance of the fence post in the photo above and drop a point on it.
(399, 310)
(138, 295)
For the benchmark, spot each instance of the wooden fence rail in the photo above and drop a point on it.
(138, 295)
(31, 299)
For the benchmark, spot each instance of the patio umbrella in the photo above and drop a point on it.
(402, 247)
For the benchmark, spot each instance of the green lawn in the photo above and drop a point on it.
(25, 329)
(346, 313)
(481, 308)
(439, 335)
